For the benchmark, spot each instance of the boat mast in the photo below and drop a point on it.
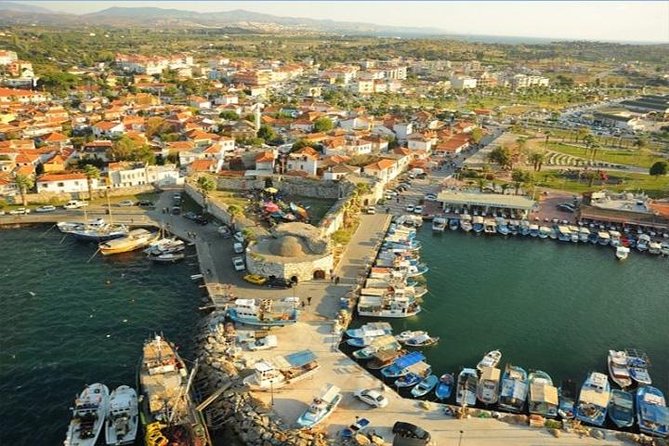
(184, 394)
(109, 211)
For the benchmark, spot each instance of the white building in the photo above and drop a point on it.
(65, 183)
(7, 57)
(462, 82)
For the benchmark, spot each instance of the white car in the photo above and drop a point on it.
(418, 210)
(46, 208)
(410, 208)
(372, 397)
(238, 247)
(430, 197)
(238, 263)
(238, 236)
(19, 211)
(371, 210)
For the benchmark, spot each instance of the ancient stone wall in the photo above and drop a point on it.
(304, 271)
(304, 187)
(62, 198)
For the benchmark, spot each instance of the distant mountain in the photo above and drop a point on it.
(22, 7)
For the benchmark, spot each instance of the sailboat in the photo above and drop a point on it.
(97, 230)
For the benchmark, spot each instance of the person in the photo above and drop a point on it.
(337, 280)
(302, 303)
(309, 300)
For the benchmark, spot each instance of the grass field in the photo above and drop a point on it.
(615, 156)
(656, 187)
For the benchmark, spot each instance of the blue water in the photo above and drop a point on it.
(66, 322)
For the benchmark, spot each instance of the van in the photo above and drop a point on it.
(75, 204)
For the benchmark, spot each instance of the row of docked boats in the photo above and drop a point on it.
(623, 242)
(390, 290)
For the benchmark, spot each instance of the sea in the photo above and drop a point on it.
(68, 318)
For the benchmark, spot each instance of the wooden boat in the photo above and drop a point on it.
(618, 370)
(425, 386)
(491, 359)
(321, 407)
(621, 408)
(266, 312)
(445, 387)
(487, 390)
(651, 411)
(401, 366)
(513, 391)
(466, 389)
(593, 399)
(384, 358)
(542, 398)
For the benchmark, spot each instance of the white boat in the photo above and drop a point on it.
(165, 245)
(622, 252)
(135, 239)
(466, 222)
(439, 224)
(489, 226)
(655, 248)
(373, 303)
(321, 407)
(265, 312)
(372, 329)
(618, 369)
(615, 238)
(409, 334)
(423, 340)
(544, 232)
(466, 388)
(574, 234)
(487, 390)
(123, 418)
(542, 397)
(564, 233)
(533, 230)
(603, 238)
(664, 248)
(97, 230)
(491, 359)
(168, 257)
(643, 242)
(88, 416)
(583, 234)
(282, 370)
(264, 343)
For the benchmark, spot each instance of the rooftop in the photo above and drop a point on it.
(476, 199)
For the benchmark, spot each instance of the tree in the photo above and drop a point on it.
(581, 133)
(91, 173)
(205, 184)
(502, 156)
(234, 211)
(537, 159)
(156, 126)
(476, 135)
(122, 149)
(659, 168)
(323, 124)
(519, 177)
(594, 147)
(229, 115)
(299, 144)
(24, 183)
(588, 141)
(641, 142)
(547, 134)
(267, 133)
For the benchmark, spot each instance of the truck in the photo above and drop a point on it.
(75, 204)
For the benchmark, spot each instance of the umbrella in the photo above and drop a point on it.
(271, 207)
(271, 190)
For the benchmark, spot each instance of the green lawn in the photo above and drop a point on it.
(619, 156)
(656, 187)
(316, 207)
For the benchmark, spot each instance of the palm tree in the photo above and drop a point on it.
(582, 133)
(537, 159)
(234, 212)
(547, 134)
(504, 187)
(594, 147)
(24, 183)
(91, 173)
(588, 141)
(205, 184)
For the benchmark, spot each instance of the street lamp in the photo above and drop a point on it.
(460, 440)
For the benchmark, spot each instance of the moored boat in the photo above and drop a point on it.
(123, 417)
(409, 334)
(266, 312)
(466, 387)
(651, 411)
(168, 257)
(567, 399)
(622, 252)
(544, 232)
(583, 234)
(400, 365)
(637, 364)
(621, 408)
(489, 226)
(439, 224)
(425, 386)
(135, 239)
(282, 371)
(642, 242)
(477, 224)
(513, 391)
(423, 340)
(384, 358)
(491, 359)
(466, 223)
(542, 397)
(408, 380)
(487, 390)
(593, 400)
(372, 329)
(453, 224)
(603, 238)
(321, 407)
(444, 387)
(382, 343)
(618, 369)
(88, 416)
(655, 248)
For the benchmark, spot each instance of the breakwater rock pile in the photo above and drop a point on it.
(234, 408)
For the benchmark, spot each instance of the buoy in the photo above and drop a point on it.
(107, 281)
(125, 320)
(31, 293)
(109, 336)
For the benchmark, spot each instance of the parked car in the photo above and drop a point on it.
(125, 203)
(418, 210)
(566, 207)
(238, 263)
(176, 210)
(238, 236)
(371, 210)
(145, 203)
(410, 208)
(200, 220)
(46, 208)
(255, 279)
(19, 211)
(75, 204)
(372, 397)
(238, 248)
(430, 197)
(278, 282)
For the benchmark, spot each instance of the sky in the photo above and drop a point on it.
(642, 21)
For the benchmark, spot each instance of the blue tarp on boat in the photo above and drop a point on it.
(409, 360)
(655, 414)
(298, 359)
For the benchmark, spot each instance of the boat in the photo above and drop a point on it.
(487, 390)
(542, 398)
(373, 329)
(489, 226)
(638, 363)
(603, 238)
(282, 371)
(513, 390)
(382, 343)
(425, 386)
(621, 408)
(423, 340)
(453, 224)
(439, 224)
(642, 242)
(592, 238)
(400, 365)
(321, 407)
(167, 411)
(123, 417)
(135, 239)
(655, 248)
(618, 370)
(466, 388)
(97, 230)
(165, 245)
(514, 227)
(409, 334)
(373, 303)
(615, 240)
(477, 224)
(593, 399)
(651, 411)
(502, 226)
(554, 234)
(88, 416)
(168, 257)
(444, 387)
(574, 234)
(491, 359)
(262, 343)
(362, 342)
(567, 399)
(664, 248)
(526, 228)
(622, 252)
(544, 232)
(466, 223)
(563, 233)
(408, 380)
(265, 312)
(384, 358)
(583, 234)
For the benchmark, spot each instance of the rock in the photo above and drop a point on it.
(598, 434)
(554, 432)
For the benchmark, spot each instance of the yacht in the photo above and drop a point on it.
(466, 387)
(321, 407)
(618, 369)
(621, 408)
(513, 391)
(282, 370)
(123, 418)
(97, 230)
(622, 252)
(88, 416)
(542, 398)
(439, 224)
(487, 390)
(265, 312)
(593, 399)
(135, 239)
(642, 242)
(651, 411)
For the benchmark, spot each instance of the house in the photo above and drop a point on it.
(379, 144)
(358, 147)
(56, 164)
(339, 171)
(203, 165)
(96, 150)
(419, 141)
(65, 183)
(385, 170)
(304, 160)
(265, 161)
(126, 174)
(452, 146)
(402, 130)
(108, 129)
(8, 95)
(357, 123)
(463, 82)
(55, 140)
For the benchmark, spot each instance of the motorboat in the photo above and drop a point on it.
(544, 232)
(466, 223)
(642, 242)
(491, 359)
(615, 239)
(408, 380)
(593, 237)
(603, 238)
(123, 417)
(651, 411)
(514, 388)
(664, 248)
(622, 252)
(453, 224)
(282, 370)
(502, 226)
(400, 366)
(489, 226)
(655, 248)
(409, 334)
(514, 227)
(638, 363)
(423, 340)
(88, 416)
(567, 399)
(554, 234)
(477, 224)
(593, 399)
(466, 387)
(621, 408)
(618, 369)
(574, 234)
(564, 233)
(525, 229)
(165, 245)
(378, 303)
(321, 407)
(372, 329)
(168, 257)
(265, 312)
(444, 387)
(542, 397)
(133, 240)
(583, 234)
(425, 386)
(380, 344)
(97, 230)
(487, 390)
(439, 224)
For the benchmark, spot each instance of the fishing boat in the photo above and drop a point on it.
(409, 334)
(603, 238)
(574, 234)
(408, 380)
(373, 329)
(651, 411)
(525, 229)
(664, 248)
(544, 232)
(655, 248)
(542, 397)
(439, 224)
(466, 388)
(592, 238)
(167, 412)
(593, 399)
(567, 399)
(615, 239)
(621, 408)
(362, 342)
(622, 252)
(384, 358)
(423, 340)
(618, 369)
(489, 226)
(123, 417)
(583, 234)
(164, 246)
(554, 233)
(382, 343)
(502, 226)
(444, 387)
(453, 224)
(513, 391)
(638, 363)
(425, 386)
(265, 312)
(514, 227)
(563, 233)
(466, 223)
(88, 416)
(321, 407)
(135, 239)
(373, 303)
(477, 224)
(642, 242)
(281, 371)
(487, 390)
(97, 230)
(400, 366)
(491, 359)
